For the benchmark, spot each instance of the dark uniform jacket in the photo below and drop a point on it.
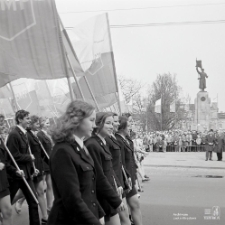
(9, 169)
(36, 151)
(47, 144)
(74, 185)
(103, 165)
(114, 148)
(17, 143)
(128, 152)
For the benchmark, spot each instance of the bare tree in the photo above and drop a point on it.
(165, 88)
(129, 88)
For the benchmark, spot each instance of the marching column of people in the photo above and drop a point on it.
(86, 162)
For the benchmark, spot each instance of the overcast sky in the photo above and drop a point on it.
(142, 53)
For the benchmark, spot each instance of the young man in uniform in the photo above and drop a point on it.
(18, 145)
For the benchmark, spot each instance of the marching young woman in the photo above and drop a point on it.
(17, 143)
(103, 161)
(38, 153)
(128, 148)
(74, 178)
(5, 170)
(47, 143)
(117, 163)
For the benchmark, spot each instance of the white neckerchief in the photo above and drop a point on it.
(22, 129)
(79, 141)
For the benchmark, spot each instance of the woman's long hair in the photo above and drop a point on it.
(66, 124)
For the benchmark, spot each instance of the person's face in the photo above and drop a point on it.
(127, 129)
(107, 127)
(47, 124)
(25, 122)
(35, 126)
(115, 123)
(87, 125)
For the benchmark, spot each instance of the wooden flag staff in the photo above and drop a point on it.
(24, 180)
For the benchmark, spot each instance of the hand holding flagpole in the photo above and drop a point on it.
(24, 180)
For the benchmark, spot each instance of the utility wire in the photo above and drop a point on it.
(144, 8)
(169, 24)
(164, 24)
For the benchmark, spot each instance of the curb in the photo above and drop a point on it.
(194, 167)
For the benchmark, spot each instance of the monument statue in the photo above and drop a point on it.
(203, 75)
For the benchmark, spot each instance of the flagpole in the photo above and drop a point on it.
(68, 59)
(14, 97)
(66, 69)
(114, 65)
(71, 46)
(75, 78)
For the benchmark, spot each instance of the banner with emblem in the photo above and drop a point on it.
(30, 41)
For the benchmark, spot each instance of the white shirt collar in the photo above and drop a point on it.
(45, 132)
(34, 132)
(102, 139)
(22, 129)
(79, 141)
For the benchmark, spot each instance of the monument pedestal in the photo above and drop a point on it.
(202, 111)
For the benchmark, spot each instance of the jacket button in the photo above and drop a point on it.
(93, 178)
(92, 191)
(94, 204)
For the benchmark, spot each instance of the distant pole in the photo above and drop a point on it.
(161, 111)
(197, 113)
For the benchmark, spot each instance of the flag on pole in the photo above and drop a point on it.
(158, 106)
(92, 44)
(30, 41)
(173, 107)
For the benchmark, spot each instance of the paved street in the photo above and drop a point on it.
(179, 191)
(182, 187)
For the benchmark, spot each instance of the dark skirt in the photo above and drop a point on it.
(4, 193)
(109, 211)
(46, 167)
(132, 192)
(38, 179)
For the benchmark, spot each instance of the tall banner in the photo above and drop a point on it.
(158, 106)
(30, 41)
(91, 42)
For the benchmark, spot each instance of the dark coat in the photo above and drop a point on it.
(74, 185)
(128, 151)
(219, 144)
(36, 151)
(210, 142)
(17, 143)
(4, 184)
(105, 173)
(114, 148)
(47, 144)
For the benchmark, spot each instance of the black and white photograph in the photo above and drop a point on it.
(112, 112)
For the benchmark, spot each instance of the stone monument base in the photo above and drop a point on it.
(202, 111)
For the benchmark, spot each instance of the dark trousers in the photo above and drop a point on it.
(220, 156)
(208, 155)
(15, 185)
